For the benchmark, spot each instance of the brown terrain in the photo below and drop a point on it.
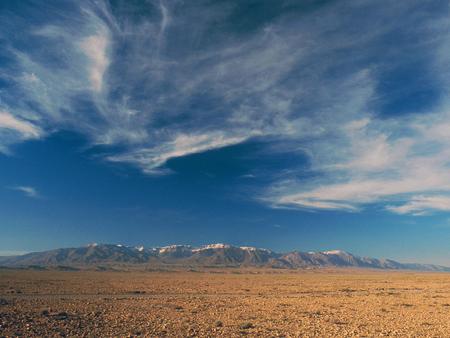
(225, 302)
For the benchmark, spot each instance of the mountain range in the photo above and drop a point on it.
(212, 255)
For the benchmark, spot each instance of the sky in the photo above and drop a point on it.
(307, 125)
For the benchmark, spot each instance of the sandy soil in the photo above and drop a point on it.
(228, 303)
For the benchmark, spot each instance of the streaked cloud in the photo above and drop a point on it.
(151, 159)
(95, 48)
(24, 128)
(422, 205)
(184, 79)
(379, 168)
(27, 191)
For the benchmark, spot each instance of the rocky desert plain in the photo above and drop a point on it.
(343, 302)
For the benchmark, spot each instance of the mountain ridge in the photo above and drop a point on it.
(210, 255)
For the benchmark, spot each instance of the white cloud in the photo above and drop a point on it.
(311, 203)
(24, 128)
(160, 77)
(379, 167)
(170, 84)
(150, 159)
(27, 190)
(95, 48)
(165, 21)
(422, 205)
(400, 161)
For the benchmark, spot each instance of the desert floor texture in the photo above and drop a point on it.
(227, 303)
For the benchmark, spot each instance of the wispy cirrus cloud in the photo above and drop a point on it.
(150, 160)
(185, 78)
(27, 191)
(24, 128)
(15, 129)
(380, 168)
(95, 48)
(398, 161)
(422, 205)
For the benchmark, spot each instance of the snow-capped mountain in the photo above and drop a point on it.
(211, 255)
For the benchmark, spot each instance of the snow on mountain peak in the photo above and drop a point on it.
(334, 252)
(216, 246)
(173, 248)
(248, 248)
(212, 246)
(252, 248)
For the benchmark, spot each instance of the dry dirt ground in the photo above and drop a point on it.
(228, 303)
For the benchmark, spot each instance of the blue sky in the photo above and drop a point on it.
(306, 125)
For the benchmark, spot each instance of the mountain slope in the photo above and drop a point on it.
(215, 255)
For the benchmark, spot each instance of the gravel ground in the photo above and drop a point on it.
(228, 303)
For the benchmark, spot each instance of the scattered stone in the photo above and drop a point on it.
(304, 306)
(247, 325)
(3, 301)
(61, 316)
(340, 322)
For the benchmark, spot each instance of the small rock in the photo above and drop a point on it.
(218, 323)
(245, 326)
(61, 316)
(3, 301)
